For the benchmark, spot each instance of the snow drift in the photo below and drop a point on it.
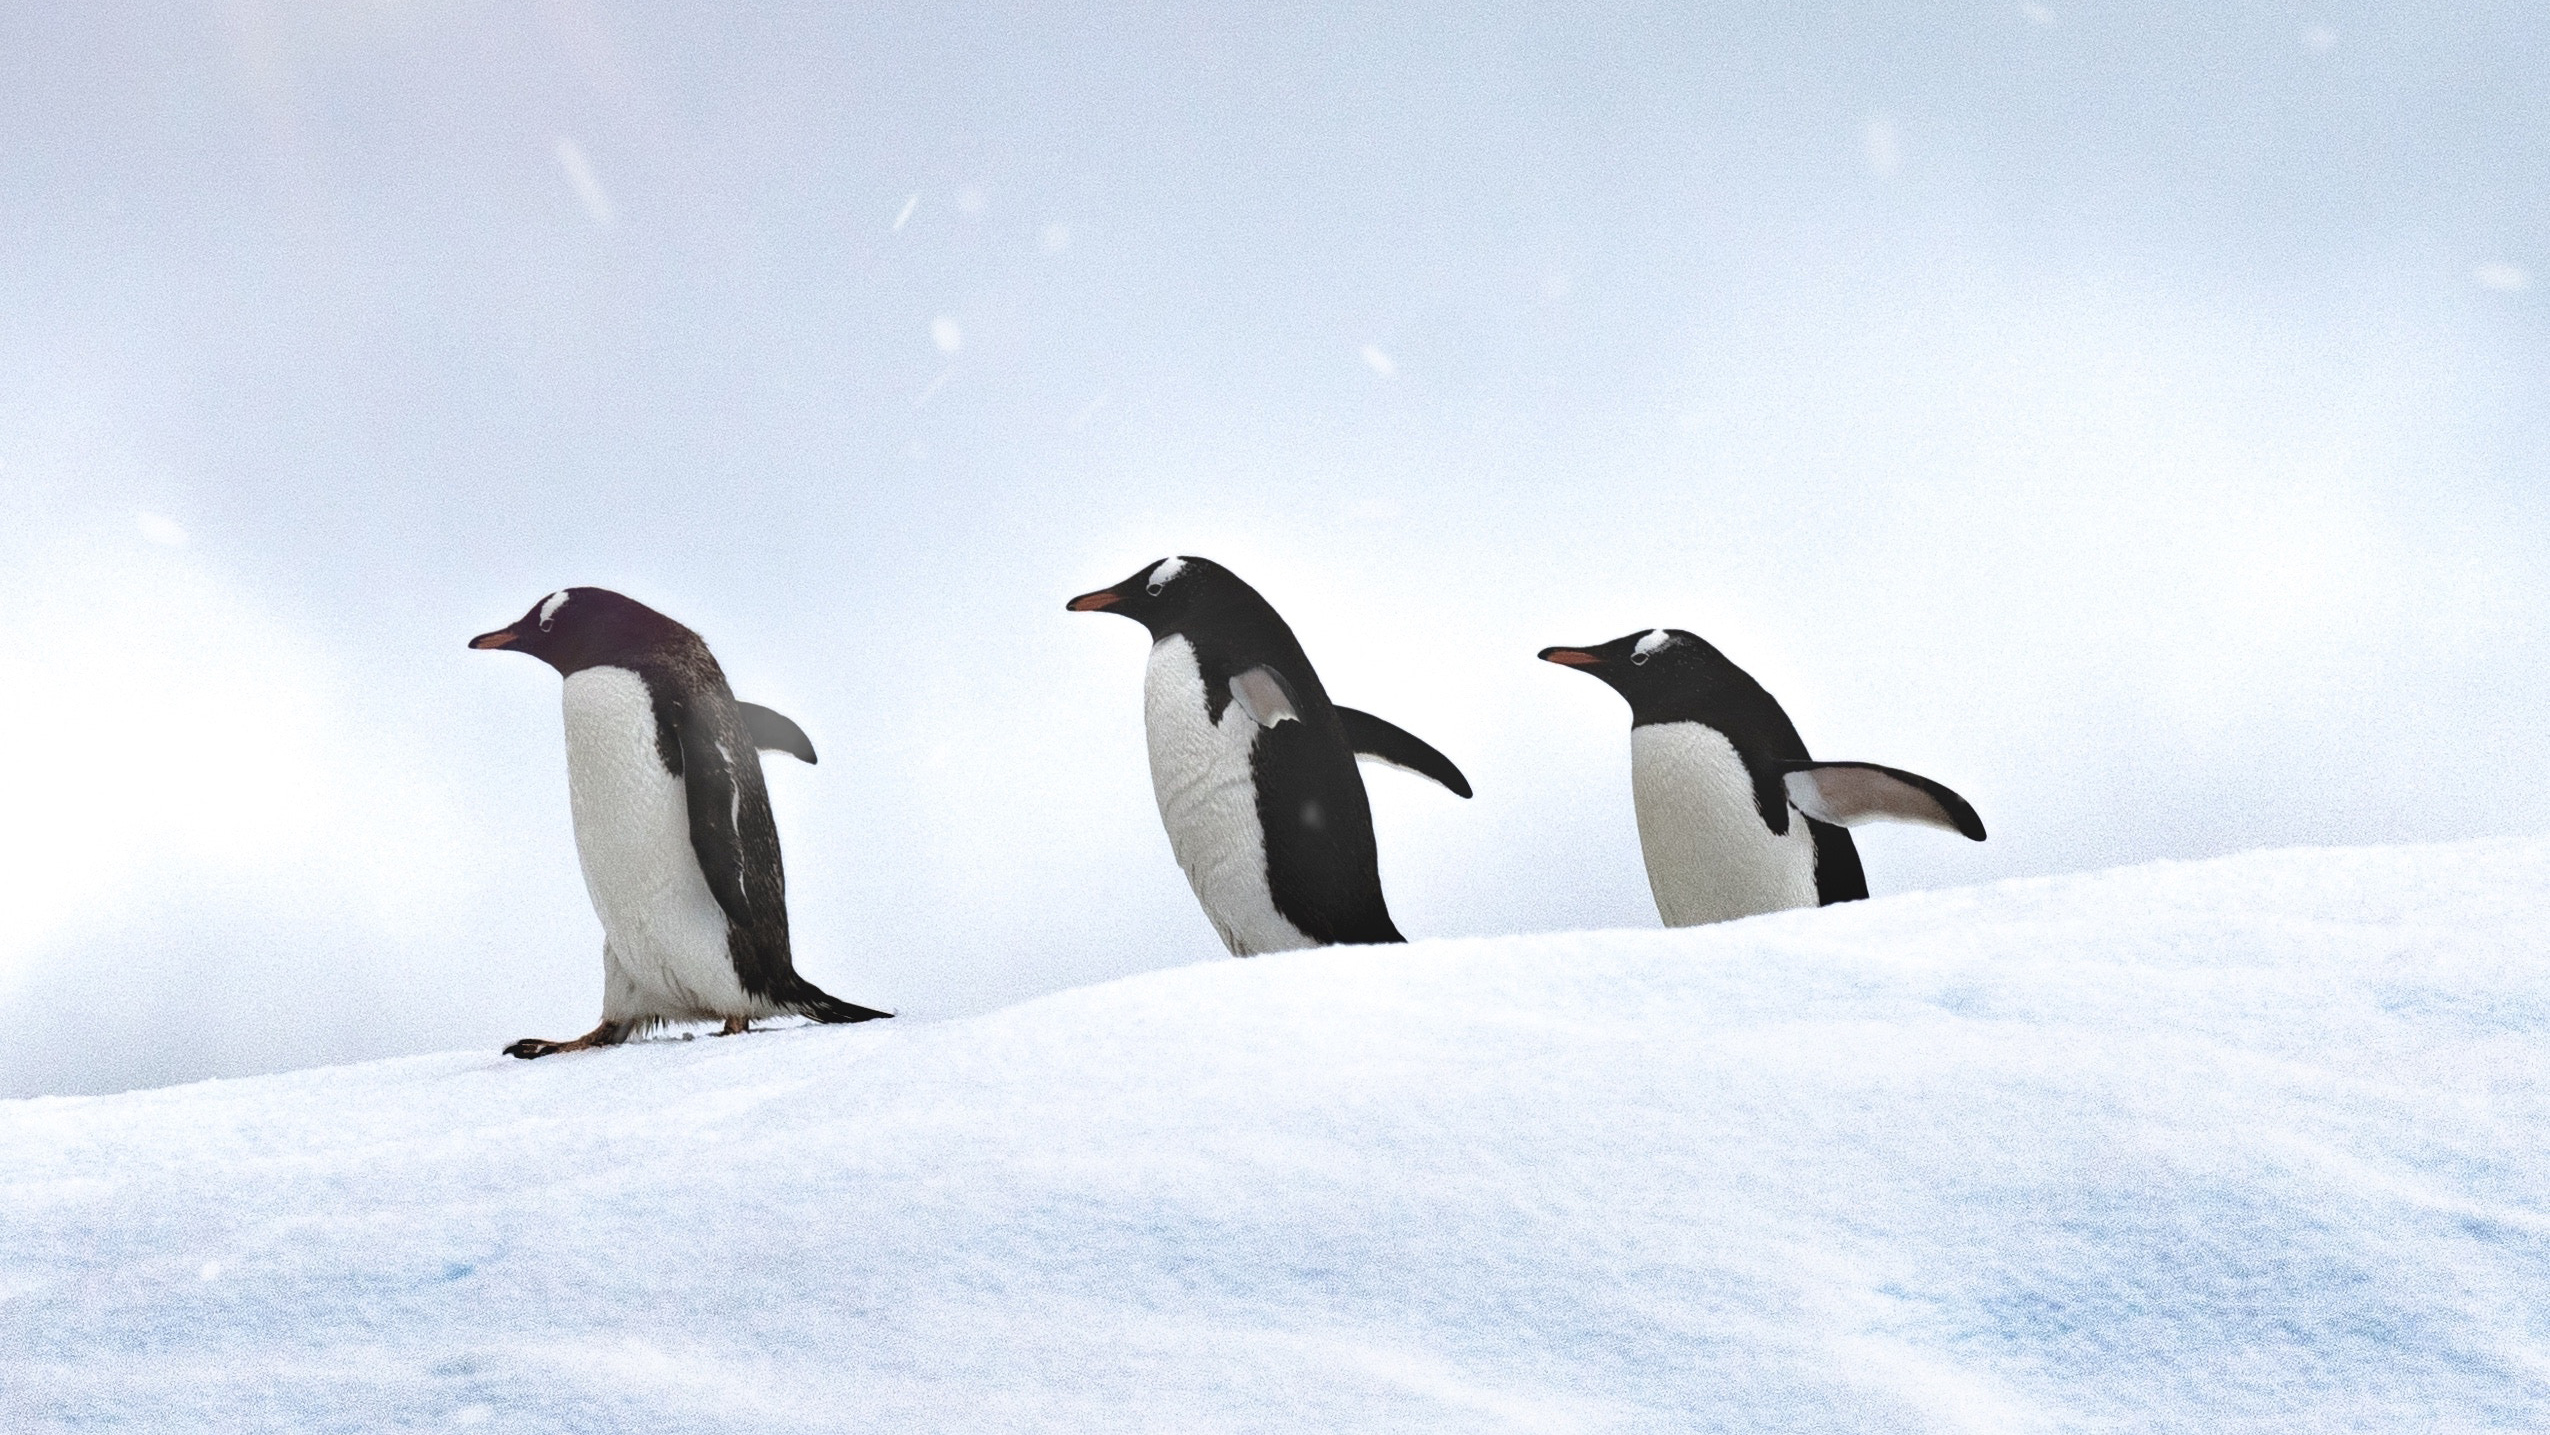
(2255, 1144)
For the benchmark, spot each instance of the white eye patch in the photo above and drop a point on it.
(1165, 574)
(549, 607)
(1656, 638)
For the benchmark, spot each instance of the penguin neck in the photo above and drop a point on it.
(1223, 651)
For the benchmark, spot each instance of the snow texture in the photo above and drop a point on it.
(2249, 1145)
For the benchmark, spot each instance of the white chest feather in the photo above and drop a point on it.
(664, 936)
(1709, 858)
(1208, 801)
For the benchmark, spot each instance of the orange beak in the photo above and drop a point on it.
(1572, 657)
(1092, 602)
(496, 639)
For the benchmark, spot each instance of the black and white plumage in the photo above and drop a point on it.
(1253, 766)
(672, 821)
(1734, 817)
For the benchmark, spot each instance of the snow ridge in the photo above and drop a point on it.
(2247, 1145)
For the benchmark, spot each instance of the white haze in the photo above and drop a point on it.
(2125, 415)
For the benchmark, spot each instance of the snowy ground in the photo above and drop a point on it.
(2256, 1144)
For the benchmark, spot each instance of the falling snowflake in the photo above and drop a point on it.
(581, 179)
(160, 529)
(1883, 147)
(2502, 277)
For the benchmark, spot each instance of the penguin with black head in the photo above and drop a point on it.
(1253, 766)
(1733, 816)
(672, 822)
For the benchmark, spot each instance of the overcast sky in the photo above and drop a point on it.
(2133, 415)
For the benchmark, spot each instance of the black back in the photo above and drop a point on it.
(1321, 866)
(702, 737)
(1684, 679)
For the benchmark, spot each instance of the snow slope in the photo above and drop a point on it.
(2254, 1144)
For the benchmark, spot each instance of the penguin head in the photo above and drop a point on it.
(577, 628)
(1162, 596)
(1653, 668)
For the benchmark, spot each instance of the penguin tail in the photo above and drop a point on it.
(831, 1010)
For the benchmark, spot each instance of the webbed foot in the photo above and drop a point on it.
(610, 1033)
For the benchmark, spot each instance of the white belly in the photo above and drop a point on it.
(664, 936)
(1208, 801)
(1709, 858)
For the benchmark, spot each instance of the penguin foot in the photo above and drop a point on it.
(736, 1026)
(610, 1033)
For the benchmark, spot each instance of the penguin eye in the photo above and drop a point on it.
(1153, 589)
(1638, 660)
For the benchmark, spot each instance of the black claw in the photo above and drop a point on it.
(529, 1047)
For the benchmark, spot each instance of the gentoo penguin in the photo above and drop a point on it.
(1733, 816)
(1254, 768)
(672, 822)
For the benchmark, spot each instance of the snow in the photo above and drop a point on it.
(2246, 1145)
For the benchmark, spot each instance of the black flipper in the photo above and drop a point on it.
(773, 732)
(737, 845)
(1369, 736)
(738, 849)
(1850, 793)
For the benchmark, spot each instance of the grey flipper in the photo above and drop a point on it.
(1370, 737)
(773, 732)
(1850, 793)
(1263, 694)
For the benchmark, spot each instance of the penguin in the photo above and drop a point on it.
(1733, 816)
(672, 822)
(1253, 766)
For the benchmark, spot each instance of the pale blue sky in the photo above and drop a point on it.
(2130, 414)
